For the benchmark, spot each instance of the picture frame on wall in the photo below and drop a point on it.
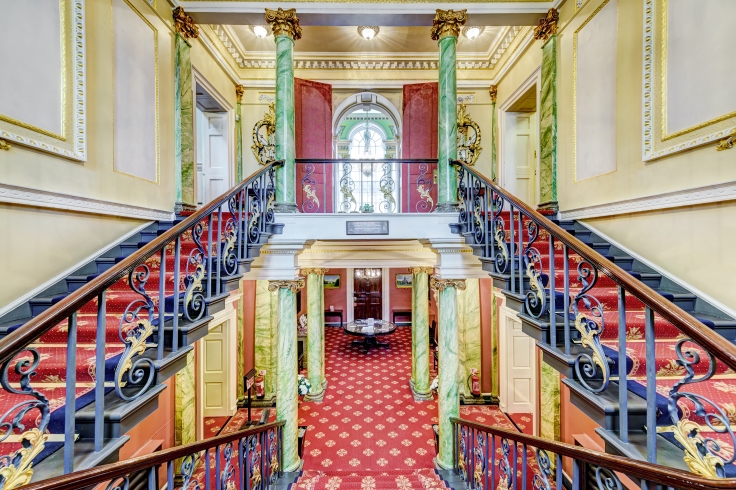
(332, 281)
(403, 281)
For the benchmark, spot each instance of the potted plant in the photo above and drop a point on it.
(366, 208)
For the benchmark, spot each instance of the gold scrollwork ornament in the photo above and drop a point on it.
(184, 24)
(4, 145)
(438, 284)
(18, 474)
(137, 342)
(294, 285)
(448, 23)
(264, 137)
(468, 137)
(547, 25)
(727, 143)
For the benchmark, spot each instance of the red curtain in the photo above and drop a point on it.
(419, 141)
(313, 114)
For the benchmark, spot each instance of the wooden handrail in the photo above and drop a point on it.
(19, 339)
(644, 470)
(358, 160)
(108, 472)
(686, 323)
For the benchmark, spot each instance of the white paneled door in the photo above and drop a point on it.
(518, 369)
(213, 176)
(526, 158)
(215, 380)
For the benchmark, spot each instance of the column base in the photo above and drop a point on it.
(315, 397)
(548, 207)
(285, 207)
(421, 397)
(296, 467)
(324, 383)
(447, 207)
(483, 399)
(259, 402)
(438, 464)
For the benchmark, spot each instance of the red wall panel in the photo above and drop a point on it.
(419, 141)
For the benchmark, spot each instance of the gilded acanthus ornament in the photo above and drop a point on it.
(239, 90)
(493, 91)
(438, 284)
(727, 143)
(547, 25)
(184, 24)
(448, 23)
(264, 137)
(284, 23)
(320, 271)
(294, 285)
(468, 137)
(4, 145)
(422, 269)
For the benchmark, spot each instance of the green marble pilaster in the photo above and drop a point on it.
(448, 396)
(447, 115)
(469, 341)
(494, 135)
(548, 127)
(285, 125)
(239, 139)
(495, 379)
(550, 403)
(184, 167)
(185, 415)
(287, 390)
(266, 340)
(420, 333)
(315, 333)
(241, 345)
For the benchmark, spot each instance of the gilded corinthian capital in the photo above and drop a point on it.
(314, 270)
(239, 91)
(284, 23)
(547, 25)
(441, 284)
(448, 23)
(420, 270)
(184, 24)
(493, 91)
(294, 285)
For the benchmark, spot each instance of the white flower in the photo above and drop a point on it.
(305, 387)
(435, 384)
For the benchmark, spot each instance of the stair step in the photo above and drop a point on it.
(667, 453)
(85, 457)
(603, 408)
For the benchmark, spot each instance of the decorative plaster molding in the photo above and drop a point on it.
(688, 197)
(77, 87)
(466, 98)
(267, 98)
(32, 197)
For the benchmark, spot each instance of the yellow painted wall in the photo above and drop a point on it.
(41, 243)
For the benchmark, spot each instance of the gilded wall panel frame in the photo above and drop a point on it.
(71, 141)
(156, 105)
(657, 140)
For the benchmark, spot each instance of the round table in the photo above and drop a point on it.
(360, 328)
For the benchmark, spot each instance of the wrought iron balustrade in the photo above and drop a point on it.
(491, 458)
(130, 321)
(245, 460)
(352, 186)
(615, 335)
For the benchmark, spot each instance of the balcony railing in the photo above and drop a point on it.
(353, 186)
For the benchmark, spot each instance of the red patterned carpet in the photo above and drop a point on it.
(523, 421)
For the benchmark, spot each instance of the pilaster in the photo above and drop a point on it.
(287, 390)
(266, 337)
(546, 31)
(239, 89)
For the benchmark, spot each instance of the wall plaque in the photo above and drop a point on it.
(367, 228)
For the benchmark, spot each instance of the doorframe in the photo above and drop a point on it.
(506, 150)
(199, 79)
(385, 291)
(228, 317)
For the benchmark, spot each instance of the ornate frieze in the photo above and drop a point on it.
(184, 24)
(284, 23)
(422, 269)
(294, 285)
(547, 25)
(438, 284)
(448, 23)
(320, 271)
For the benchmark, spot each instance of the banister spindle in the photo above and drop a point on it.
(558, 472)
(523, 466)
(552, 294)
(161, 303)
(207, 470)
(512, 238)
(651, 360)
(521, 253)
(209, 256)
(217, 468)
(515, 471)
(170, 474)
(219, 249)
(70, 407)
(566, 278)
(175, 311)
(100, 369)
(623, 422)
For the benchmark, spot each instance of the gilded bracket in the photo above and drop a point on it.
(264, 137)
(725, 144)
(239, 91)
(4, 145)
(184, 24)
(294, 285)
(547, 25)
(468, 137)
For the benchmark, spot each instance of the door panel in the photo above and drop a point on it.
(419, 140)
(215, 377)
(367, 293)
(520, 368)
(526, 166)
(313, 138)
(213, 176)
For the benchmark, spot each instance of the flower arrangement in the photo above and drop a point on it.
(301, 328)
(435, 384)
(366, 208)
(305, 387)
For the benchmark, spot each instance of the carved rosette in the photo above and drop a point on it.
(184, 24)
(448, 23)
(284, 23)
(320, 271)
(438, 284)
(547, 25)
(493, 92)
(239, 90)
(294, 285)
(422, 269)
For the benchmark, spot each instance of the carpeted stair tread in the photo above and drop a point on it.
(52, 368)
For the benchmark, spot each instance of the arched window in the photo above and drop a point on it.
(367, 144)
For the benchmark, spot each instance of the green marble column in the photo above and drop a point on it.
(445, 30)
(241, 345)
(449, 400)
(420, 333)
(469, 338)
(315, 333)
(550, 403)
(185, 415)
(287, 391)
(548, 127)
(239, 131)
(495, 379)
(286, 30)
(184, 167)
(266, 341)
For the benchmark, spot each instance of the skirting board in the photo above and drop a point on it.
(54, 200)
(725, 191)
(663, 272)
(10, 307)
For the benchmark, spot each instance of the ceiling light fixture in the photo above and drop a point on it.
(260, 31)
(368, 32)
(471, 32)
